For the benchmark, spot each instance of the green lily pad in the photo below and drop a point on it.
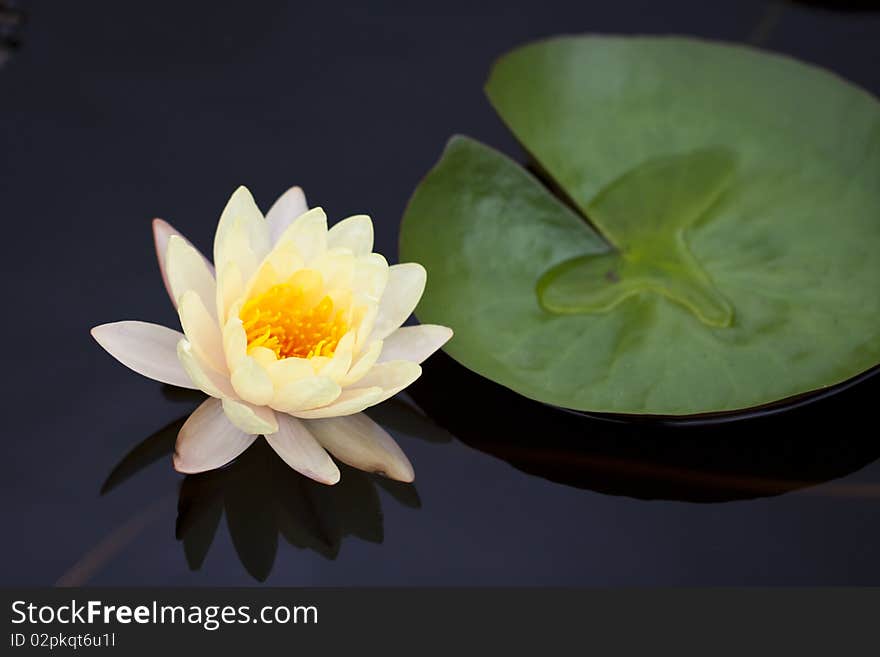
(706, 237)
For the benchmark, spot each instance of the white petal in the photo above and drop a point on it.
(393, 374)
(354, 233)
(351, 401)
(414, 343)
(363, 364)
(249, 418)
(297, 446)
(307, 235)
(148, 349)
(251, 382)
(207, 379)
(391, 377)
(207, 440)
(360, 442)
(306, 393)
(406, 283)
(187, 270)
(290, 205)
(201, 330)
(162, 232)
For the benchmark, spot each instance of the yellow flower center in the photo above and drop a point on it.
(287, 319)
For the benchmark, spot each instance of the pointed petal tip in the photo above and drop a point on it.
(328, 479)
(173, 240)
(361, 443)
(207, 440)
(180, 466)
(102, 332)
(401, 469)
(160, 224)
(103, 335)
(241, 195)
(162, 234)
(404, 475)
(178, 462)
(316, 211)
(184, 468)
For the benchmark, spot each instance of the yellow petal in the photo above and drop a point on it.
(201, 330)
(354, 233)
(290, 205)
(363, 364)
(237, 248)
(249, 418)
(288, 370)
(414, 343)
(310, 284)
(337, 366)
(285, 260)
(309, 392)
(230, 288)
(371, 273)
(187, 270)
(364, 320)
(363, 444)
(337, 268)
(242, 220)
(307, 235)
(406, 283)
(297, 446)
(266, 277)
(265, 357)
(351, 401)
(148, 349)
(251, 383)
(207, 440)
(234, 341)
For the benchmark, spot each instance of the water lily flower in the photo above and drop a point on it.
(292, 332)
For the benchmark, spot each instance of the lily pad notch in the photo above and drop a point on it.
(650, 249)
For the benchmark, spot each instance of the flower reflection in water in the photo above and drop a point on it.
(264, 500)
(765, 455)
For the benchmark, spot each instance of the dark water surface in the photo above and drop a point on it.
(112, 113)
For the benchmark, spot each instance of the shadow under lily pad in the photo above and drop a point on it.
(757, 456)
